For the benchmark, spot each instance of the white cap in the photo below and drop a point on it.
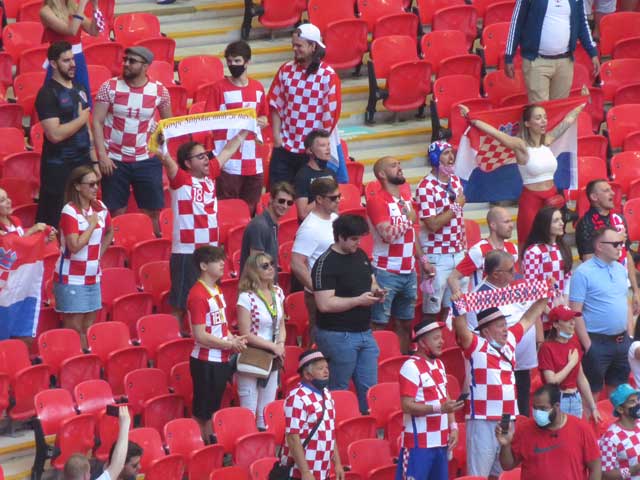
(310, 32)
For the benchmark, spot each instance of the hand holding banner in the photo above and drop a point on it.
(518, 293)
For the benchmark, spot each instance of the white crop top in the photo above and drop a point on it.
(541, 166)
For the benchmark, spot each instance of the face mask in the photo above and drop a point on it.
(495, 344)
(542, 418)
(320, 384)
(447, 169)
(236, 70)
(565, 335)
(634, 412)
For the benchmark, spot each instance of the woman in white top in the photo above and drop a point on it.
(536, 162)
(261, 320)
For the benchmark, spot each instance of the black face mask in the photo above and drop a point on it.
(634, 412)
(236, 70)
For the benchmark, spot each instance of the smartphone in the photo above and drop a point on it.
(379, 293)
(462, 397)
(504, 423)
(113, 410)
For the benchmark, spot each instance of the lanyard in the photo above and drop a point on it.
(216, 296)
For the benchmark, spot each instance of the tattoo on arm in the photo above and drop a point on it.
(561, 128)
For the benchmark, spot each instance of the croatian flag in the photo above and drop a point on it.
(488, 170)
(338, 161)
(21, 271)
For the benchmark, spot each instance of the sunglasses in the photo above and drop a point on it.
(266, 265)
(90, 184)
(614, 244)
(132, 60)
(282, 201)
(199, 156)
(333, 198)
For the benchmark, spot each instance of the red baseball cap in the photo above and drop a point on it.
(562, 313)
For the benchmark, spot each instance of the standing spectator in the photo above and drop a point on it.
(620, 445)
(241, 177)
(560, 363)
(500, 230)
(261, 321)
(600, 215)
(547, 33)
(318, 150)
(441, 201)
(391, 217)
(123, 119)
(304, 95)
(552, 444)
(195, 211)
(634, 354)
(491, 355)
(65, 21)
(313, 238)
(261, 235)
(599, 291)
(310, 419)
(214, 343)
(546, 255)
(63, 109)
(85, 234)
(344, 290)
(428, 409)
(536, 162)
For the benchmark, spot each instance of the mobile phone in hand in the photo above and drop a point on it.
(504, 423)
(462, 397)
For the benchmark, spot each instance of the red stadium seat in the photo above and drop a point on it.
(389, 368)
(287, 230)
(98, 74)
(498, 12)
(625, 167)
(197, 70)
(131, 228)
(513, 474)
(622, 120)
(292, 354)
(26, 213)
(154, 463)
(6, 70)
(36, 135)
(457, 123)
(231, 212)
(229, 473)
(260, 468)
(105, 53)
(458, 17)
(31, 59)
(121, 299)
(17, 37)
(128, 28)
(180, 382)
(92, 396)
(163, 48)
(163, 72)
(351, 196)
(160, 335)
(593, 146)
(388, 344)
(617, 26)
(617, 73)
(11, 115)
(454, 363)
(297, 314)
(114, 256)
(323, 12)
(629, 93)
(284, 256)
(494, 41)
(427, 8)
(229, 424)
(346, 42)
(183, 437)
(229, 289)
(29, 11)
(369, 454)
(355, 170)
(23, 165)
(472, 231)
(470, 64)
(179, 98)
(350, 425)
(397, 24)
(452, 89)
(12, 142)
(497, 85)
(275, 420)
(631, 141)
(626, 48)
(252, 446)
(372, 10)
(148, 393)
(383, 399)
(146, 251)
(20, 190)
(441, 44)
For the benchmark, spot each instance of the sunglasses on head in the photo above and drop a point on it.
(266, 265)
(614, 244)
(282, 201)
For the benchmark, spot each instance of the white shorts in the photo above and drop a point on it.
(483, 449)
(441, 298)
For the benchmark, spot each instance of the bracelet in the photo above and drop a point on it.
(453, 426)
(79, 17)
(625, 473)
(437, 408)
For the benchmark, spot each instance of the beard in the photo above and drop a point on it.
(397, 180)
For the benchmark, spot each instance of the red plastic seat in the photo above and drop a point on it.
(441, 44)
(29, 11)
(402, 23)
(498, 12)
(625, 167)
(163, 72)
(92, 396)
(197, 70)
(593, 146)
(159, 333)
(154, 462)
(179, 98)
(629, 93)
(323, 12)
(114, 256)
(369, 454)
(383, 399)
(388, 344)
(252, 446)
(297, 314)
(18, 37)
(233, 242)
(346, 42)
(632, 215)
(458, 17)
(163, 48)
(12, 142)
(453, 89)
(147, 251)
(155, 279)
(350, 424)
(470, 64)
(454, 363)
(275, 420)
(231, 213)
(105, 53)
(457, 123)
(36, 135)
(389, 368)
(497, 85)
(229, 289)
(31, 59)
(98, 74)
(19, 190)
(372, 10)
(494, 41)
(617, 26)
(622, 120)
(626, 48)
(183, 437)
(128, 28)
(121, 299)
(181, 383)
(26, 213)
(131, 228)
(261, 467)
(23, 165)
(617, 73)
(11, 115)
(6, 70)
(142, 384)
(230, 473)
(229, 424)
(25, 380)
(25, 89)
(631, 141)
(427, 8)
(280, 13)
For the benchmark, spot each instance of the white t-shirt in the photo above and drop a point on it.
(556, 27)
(104, 476)
(634, 362)
(313, 237)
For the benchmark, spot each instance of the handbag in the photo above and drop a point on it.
(281, 472)
(255, 361)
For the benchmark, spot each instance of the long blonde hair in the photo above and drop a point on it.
(250, 277)
(71, 8)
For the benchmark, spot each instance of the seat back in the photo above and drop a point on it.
(105, 53)
(463, 18)
(57, 345)
(367, 454)
(372, 10)
(130, 228)
(160, 410)
(98, 74)
(52, 407)
(120, 363)
(12, 142)
(231, 423)
(494, 41)
(383, 399)
(142, 384)
(470, 64)
(625, 168)
(622, 120)
(323, 12)
(234, 472)
(261, 467)
(163, 48)
(408, 85)
(452, 89)
(617, 26)
(32, 59)
(280, 13)
(183, 436)
(18, 37)
(497, 85)
(428, 7)
(181, 383)
(116, 282)
(471, 231)
(346, 42)
(29, 11)
(617, 73)
(149, 440)
(388, 343)
(163, 72)
(454, 363)
(627, 48)
(197, 70)
(11, 115)
(92, 396)
(631, 141)
(498, 12)
(346, 405)
(275, 420)
(231, 213)
(22, 164)
(629, 93)
(107, 337)
(128, 28)
(388, 51)
(389, 369)
(402, 23)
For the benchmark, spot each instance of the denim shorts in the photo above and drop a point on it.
(146, 179)
(571, 404)
(400, 300)
(441, 298)
(77, 298)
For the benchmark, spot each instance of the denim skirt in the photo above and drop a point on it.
(77, 298)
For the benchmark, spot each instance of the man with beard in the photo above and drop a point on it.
(392, 217)
(318, 149)
(63, 109)
(242, 176)
(552, 444)
(304, 96)
(123, 120)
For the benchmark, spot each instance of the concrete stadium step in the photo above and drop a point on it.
(222, 8)
(16, 454)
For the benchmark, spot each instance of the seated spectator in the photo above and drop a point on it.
(85, 234)
(261, 321)
(318, 148)
(552, 444)
(214, 343)
(620, 444)
(560, 359)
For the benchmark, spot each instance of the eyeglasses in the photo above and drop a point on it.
(614, 244)
(266, 265)
(199, 156)
(90, 184)
(132, 60)
(333, 198)
(282, 201)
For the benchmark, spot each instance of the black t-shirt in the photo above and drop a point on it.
(58, 159)
(350, 276)
(305, 176)
(591, 222)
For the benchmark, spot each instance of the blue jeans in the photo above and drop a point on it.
(400, 300)
(351, 355)
(571, 404)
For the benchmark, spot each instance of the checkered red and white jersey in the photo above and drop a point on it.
(541, 261)
(433, 197)
(492, 382)
(226, 96)
(82, 267)
(302, 410)
(397, 256)
(195, 210)
(14, 226)
(472, 265)
(207, 308)
(304, 102)
(426, 382)
(620, 448)
(130, 118)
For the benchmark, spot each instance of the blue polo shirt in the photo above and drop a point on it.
(602, 289)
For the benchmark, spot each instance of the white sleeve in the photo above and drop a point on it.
(305, 242)
(244, 301)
